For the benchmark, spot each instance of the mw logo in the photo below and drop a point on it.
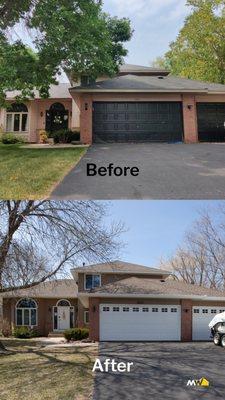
(198, 382)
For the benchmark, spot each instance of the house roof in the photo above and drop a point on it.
(63, 288)
(142, 70)
(153, 287)
(154, 84)
(120, 267)
(60, 91)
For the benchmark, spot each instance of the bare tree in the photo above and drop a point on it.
(39, 239)
(200, 259)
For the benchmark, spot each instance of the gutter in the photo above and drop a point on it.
(75, 90)
(151, 296)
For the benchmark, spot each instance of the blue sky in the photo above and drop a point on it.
(154, 228)
(156, 24)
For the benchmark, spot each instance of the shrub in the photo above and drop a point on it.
(43, 136)
(6, 328)
(10, 138)
(76, 334)
(65, 136)
(24, 332)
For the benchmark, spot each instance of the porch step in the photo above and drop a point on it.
(55, 334)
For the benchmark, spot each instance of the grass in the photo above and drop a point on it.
(32, 372)
(32, 173)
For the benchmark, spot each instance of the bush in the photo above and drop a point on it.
(10, 138)
(76, 334)
(43, 137)
(24, 332)
(6, 328)
(65, 136)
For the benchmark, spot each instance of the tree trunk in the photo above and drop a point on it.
(2, 347)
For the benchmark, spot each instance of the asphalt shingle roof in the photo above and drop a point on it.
(120, 267)
(152, 84)
(142, 286)
(132, 68)
(60, 91)
(63, 288)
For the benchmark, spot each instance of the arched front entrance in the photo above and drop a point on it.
(63, 315)
(57, 118)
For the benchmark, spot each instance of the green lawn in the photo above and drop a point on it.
(31, 372)
(32, 173)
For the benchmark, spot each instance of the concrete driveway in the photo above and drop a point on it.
(161, 371)
(167, 171)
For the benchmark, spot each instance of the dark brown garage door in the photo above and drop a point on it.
(211, 122)
(137, 122)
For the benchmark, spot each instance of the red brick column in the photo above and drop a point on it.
(86, 119)
(186, 320)
(94, 319)
(190, 119)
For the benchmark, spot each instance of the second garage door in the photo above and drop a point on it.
(126, 322)
(202, 316)
(211, 122)
(137, 122)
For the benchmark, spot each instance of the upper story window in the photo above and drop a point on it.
(92, 281)
(26, 312)
(17, 118)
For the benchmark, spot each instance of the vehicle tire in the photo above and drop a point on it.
(216, 339)
(223, 341)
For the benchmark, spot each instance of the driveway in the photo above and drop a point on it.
(167, 171)
(161, 371)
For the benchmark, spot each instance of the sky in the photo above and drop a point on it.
(156, 24)
(154, 229)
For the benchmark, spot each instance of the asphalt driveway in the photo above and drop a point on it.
(167, 171)
(161, 371)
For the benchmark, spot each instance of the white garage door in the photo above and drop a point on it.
(139, 322)
(201, 319)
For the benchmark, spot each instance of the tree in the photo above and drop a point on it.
(39, 239)
(200, 259)
(199, 50)
(73, 35)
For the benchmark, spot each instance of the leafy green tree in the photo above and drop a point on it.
(199, 50)
(73, 35)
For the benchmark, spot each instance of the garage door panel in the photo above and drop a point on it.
(201, 317)
(161, 121)
(137, 323)
(211, 120)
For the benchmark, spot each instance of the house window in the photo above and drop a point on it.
(92, 281)
(17, 118)
(63, 303)
(26, 312)
(86, 317)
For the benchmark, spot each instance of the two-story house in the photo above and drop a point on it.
(118, 301)
(140, 104)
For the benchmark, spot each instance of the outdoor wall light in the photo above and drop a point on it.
(41, 113)
(190, 106)
(86, 106)
(94, 309)
(186, 310)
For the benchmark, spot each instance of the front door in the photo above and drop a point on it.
(63, 318)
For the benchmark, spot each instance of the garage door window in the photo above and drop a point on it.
(126, 309)
(145, 309)
(135, 309)
(116, 309)
(213, 311)
(164, 309)
(173, 309)
(155, 309)
(106, 309)
(205, 311)
(196, 311)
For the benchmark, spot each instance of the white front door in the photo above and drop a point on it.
(202, 316)
(134, 322)
(63, 318)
